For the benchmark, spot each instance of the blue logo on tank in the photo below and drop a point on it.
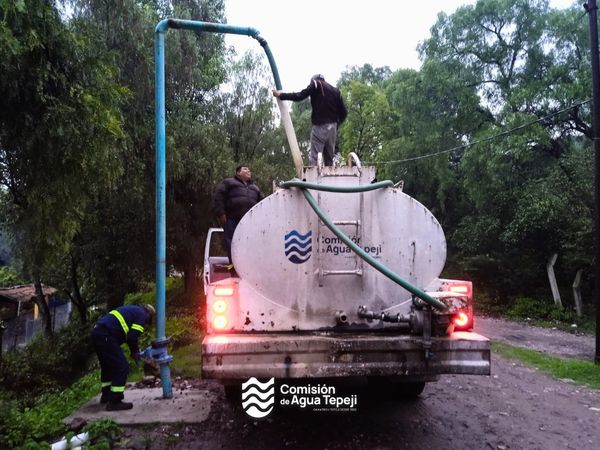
(298, 247)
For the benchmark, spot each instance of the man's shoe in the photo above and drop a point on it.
(105, 397)
(118, 406)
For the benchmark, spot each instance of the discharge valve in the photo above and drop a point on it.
(157, 351)
(415, 319)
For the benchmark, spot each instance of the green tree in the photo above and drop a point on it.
(368, 118)
(366, 74)
(248, 108)
(115, 252)
(431, 112)
(59, 126)
(526, 62)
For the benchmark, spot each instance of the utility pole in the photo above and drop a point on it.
(592, 9)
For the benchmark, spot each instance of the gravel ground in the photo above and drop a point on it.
(515, 408)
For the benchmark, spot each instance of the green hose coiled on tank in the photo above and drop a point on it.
(355, 248)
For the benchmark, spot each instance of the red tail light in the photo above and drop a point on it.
(222, 307)
(219, 306)
(461, 319)
(462, 316)
(219, 322)
(460, 289)
(224, 291)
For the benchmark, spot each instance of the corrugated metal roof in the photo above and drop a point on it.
(24, 293)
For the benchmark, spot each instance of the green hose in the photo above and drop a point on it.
(359, 251)
(319, 187)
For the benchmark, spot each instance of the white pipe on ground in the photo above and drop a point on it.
(74, 443)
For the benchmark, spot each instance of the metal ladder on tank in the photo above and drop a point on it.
(358, 265)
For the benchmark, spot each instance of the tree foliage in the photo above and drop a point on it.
(491, 134)
(526, 63)
(60, 127)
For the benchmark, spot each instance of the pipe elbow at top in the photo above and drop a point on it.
(162, 26)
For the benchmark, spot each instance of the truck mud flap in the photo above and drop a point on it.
(315, 355)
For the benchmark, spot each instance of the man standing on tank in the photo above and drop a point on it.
(328, 112)
(233, 198)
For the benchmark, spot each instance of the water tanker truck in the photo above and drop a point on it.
(340, 284)
(338, 276)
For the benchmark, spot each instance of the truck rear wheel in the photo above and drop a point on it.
(233, 393)
(408, 390)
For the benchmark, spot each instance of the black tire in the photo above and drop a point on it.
(409, 391)
(233, 393)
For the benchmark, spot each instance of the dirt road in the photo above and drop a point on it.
(514, 408)
(547, 340)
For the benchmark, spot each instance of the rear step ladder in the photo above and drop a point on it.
(343, 225)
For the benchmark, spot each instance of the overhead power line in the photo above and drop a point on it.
(490, 138)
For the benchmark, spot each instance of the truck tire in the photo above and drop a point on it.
(233, 393)
(409, 391)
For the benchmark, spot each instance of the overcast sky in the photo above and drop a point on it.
(324, 36)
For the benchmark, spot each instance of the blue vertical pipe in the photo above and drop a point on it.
(161, 218)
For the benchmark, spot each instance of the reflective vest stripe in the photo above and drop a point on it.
(117, 389)
(137, 327)
(106, 384)
(121, 320)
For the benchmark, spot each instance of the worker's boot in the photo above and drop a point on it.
(105, 397)
(118, 406)
(116, 402)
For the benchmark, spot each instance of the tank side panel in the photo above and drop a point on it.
(295, 274)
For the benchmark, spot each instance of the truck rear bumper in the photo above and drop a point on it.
(315, 355)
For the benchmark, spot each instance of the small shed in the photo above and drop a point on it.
(16, 300)
(21, 316)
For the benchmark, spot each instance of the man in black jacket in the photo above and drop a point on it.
(233, 198)
(328, 111)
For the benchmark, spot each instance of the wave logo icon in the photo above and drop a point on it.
(258, 398)
(298, 247)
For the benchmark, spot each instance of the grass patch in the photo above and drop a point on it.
(584, 373)
(42, 384)
(544, 313)
(187, 360)
(585, 325)
(19, 426)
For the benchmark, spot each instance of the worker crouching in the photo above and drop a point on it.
(124, 324)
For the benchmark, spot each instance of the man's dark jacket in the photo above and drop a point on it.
(234, 198)
(135, 319)
(325, 99)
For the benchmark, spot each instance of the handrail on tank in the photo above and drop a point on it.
(355, 248)
(159, 91)
(354, 159)
(346, 189)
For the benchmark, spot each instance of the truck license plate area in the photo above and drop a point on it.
(326, 355)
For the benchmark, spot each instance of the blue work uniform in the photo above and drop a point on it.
(124, 324)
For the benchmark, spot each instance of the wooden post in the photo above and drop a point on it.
(552, 279)
(577, 293)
